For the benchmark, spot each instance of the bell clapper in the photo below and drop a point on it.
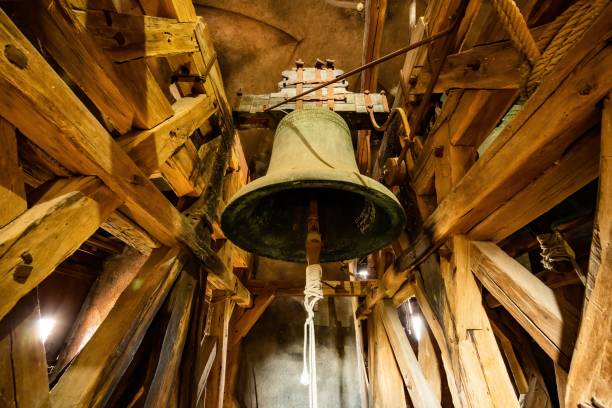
(312, 294)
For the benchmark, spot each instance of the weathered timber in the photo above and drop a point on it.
(167, 369)
(421, 395)
(96, 370)
(84, 62)
(126, 37)
(385, 376)
(212, 396)
(23, 363)
(117, 274)
(248, 319)
(12, 187)
(121, 227)
(575, 169)
(430, 361)
(520, 381)
(83, 145)
(151, 148)
(67, 220)
(558, 112)
(551, 322)
(590, 373)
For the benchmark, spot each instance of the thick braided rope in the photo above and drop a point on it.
(576, 20)
(312, 294)
(515, 24)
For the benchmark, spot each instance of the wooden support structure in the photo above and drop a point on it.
(12, 187)
(248, 319)
(95, 372)
(551, 322)
(330, 288)
(590, 373)
(419, 390)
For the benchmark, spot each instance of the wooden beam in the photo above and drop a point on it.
(520, 381)
(575, 169)
(182, 10)
(126, 37)
(116, 276)
(558, 112)
(149, 149)
(421, 395)
(215, 329)
(121, 227)
(590, 373)
(385, 377)
(551, 322)
(167, 371)
(53, 118)
(375, 15)
(330, 288)
(23, 363)
(67, 220)
(12, 187)
(248, 319)
(94, 373)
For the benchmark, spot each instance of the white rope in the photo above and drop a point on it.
(312, 294)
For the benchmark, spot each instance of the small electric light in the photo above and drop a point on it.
(417, 326)
(363, 273)
(304, 378)
(45, 325)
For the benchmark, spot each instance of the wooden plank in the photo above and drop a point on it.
(83, 61)
(121, 227)
(167, 369)
(12, 187)
(575, 169)
(375, 15)
(94, 373)
(520, 381)
(214, 329)
(23, 363)
(126, 37)
(551, 322)
(385, 377)
(330, 288)
(248, 319)
(53, 118)
(590, 373)
(558, 112)
(430, 362)
(421, 395)
(151, 148)
(26, 258)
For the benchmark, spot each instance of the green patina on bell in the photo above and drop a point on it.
(313, 158)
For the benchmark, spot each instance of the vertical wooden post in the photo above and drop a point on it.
(12, 189)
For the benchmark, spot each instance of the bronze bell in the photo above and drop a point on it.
(313, 158)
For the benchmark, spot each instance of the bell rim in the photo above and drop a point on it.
(316, 178)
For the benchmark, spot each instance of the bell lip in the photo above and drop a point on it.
(316, 178)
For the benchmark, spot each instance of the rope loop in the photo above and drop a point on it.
(313, 292)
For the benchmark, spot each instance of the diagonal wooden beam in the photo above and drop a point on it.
(590, 373)
(552, 323)
(74, 211)
(420, 393)
(242, 327)
(95, 372)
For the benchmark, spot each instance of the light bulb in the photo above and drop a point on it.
(363, 273)
(304, 378)
(45, 325)
(417, 326)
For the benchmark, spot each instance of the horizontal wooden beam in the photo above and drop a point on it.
(126, 37)
(551, 322)
(330, 287)
(558, 112)
(74, 211)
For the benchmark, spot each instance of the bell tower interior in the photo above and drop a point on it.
(307, 203)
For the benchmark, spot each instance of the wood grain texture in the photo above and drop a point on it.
(590, 373)
(50, 232)
(421, 394)
(12, 187)
(94, 373)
